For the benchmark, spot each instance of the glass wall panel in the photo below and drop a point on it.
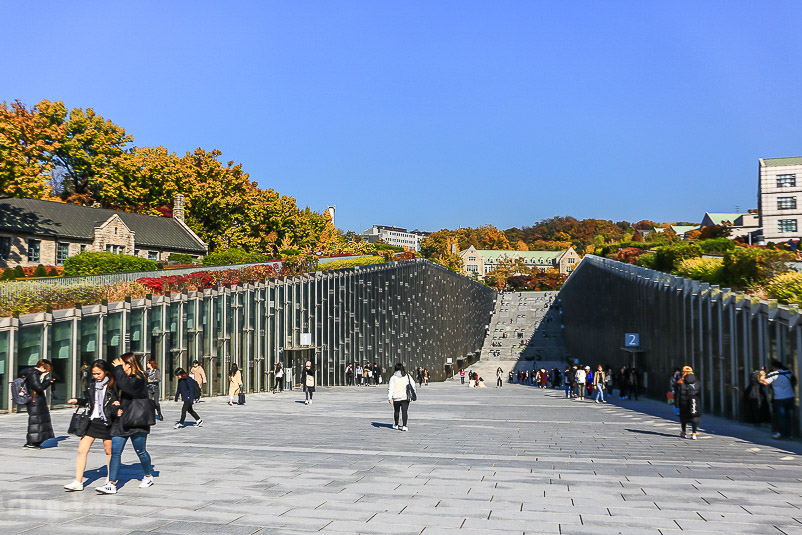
(88, 345)
(136, 334)
(174, 348)
(114, 335)
(61, 358)
(29, 346)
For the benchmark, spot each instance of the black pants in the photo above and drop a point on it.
(279, 384)
(309, 393)
(499, 382)
(153, 394)
(349, 380)
(402, 406)
(633, 391)
(693, 421)
(187, 408)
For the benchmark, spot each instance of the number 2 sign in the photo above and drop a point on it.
(631, 340)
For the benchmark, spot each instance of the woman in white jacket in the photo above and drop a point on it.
(397, 394)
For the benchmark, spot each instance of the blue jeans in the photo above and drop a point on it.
(784, 409)
(598, 393)
(567, 389)
(139, 441)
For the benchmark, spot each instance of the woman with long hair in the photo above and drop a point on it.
(154, 378)
(279, 379)
(499, 377)
(131, 386)
(98, 397)
(308, 381)
(398, 394)
(234, 384)
(37, 379)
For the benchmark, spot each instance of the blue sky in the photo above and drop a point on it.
(440, 114)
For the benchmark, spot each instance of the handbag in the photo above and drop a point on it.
(411, 395)
(139, 413)
(241, 398)
(79, 423)
(310, 380)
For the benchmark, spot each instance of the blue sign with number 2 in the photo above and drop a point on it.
(632, 340)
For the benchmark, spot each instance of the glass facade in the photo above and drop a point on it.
(414, 312)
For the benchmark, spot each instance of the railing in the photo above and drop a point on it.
(724, 335)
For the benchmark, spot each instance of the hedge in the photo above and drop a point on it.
(94, 263)
(702, 269)
(235, 255)
(350, 262)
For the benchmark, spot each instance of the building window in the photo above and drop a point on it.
(786, 225)
(83, 247)
(5, 247)
(153, 255)
(33, 250)
(786, 181)
(472, 268)
(571, 260)
(786, 203)
(62, 252)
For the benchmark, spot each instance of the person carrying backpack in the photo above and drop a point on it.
(36, 380)
(398, 394)
(688, 400)
(189, 390)
(782, 382)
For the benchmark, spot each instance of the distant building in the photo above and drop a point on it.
(400, 237)
(479, 262)
(741, 225)
(779, 187)
(35, 232)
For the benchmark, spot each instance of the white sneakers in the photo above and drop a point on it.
(693, 436)
(308, 402)
(404, 428)
(199, 423)
(395, 426)
(74, 486)
(147, 481)
(178, 425)
(108, 488)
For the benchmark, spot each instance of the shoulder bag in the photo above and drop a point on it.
(79, 423)
(139, 413)
(411, 395)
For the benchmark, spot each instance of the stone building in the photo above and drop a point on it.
(479, 262)
(35, 232)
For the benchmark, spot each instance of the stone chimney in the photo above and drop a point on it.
(178, 207)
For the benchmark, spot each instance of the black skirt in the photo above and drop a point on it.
(98, 429)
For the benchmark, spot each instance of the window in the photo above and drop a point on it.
(786, 225)
(62, 252)
(571, 260)
(786, 181)
(83, 247)
(786, 203)
(153, 255)
(33, 250)
(136, 252)
(5, 247)
(472, 268)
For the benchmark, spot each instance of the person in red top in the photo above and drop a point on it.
(462, 376)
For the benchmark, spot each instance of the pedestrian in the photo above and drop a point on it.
(308, 380)
(581, 376)
(376, 373)
(279, 379)
(420, 375)
(462, 376)
(633, 384)
(756, 403)
(599, 379)
(349, 375)
(187, 388)
(570, 379)
(398, 395)
(512, 377)
(589, 380)
(154, 379)
(234, 384)
(37, 380)
(98, 397)
(688, 401)
(499, 377)
(544, 378)
(623, 382)
(782, 383)
(366, 374)
(426, 377)
(608, 381)
(198, 374)
(480, 383)
(130, 384)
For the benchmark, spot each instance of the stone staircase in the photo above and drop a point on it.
(525, 331)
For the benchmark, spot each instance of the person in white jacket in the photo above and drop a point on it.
(397, 394)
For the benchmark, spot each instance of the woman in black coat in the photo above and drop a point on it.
(756, 403)
(308, 380)
(688, 399)
(187, 388)
(39, 426)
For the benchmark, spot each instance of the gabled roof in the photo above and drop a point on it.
(495, 254)
(772, 162)
(61, 220)
(682, 229)
(719, 217)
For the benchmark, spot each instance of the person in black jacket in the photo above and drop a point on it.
(131, 387)
(308, 381)
(98, 397)
(688, 399)
(756, 403)
(37, 380)
(187, 388)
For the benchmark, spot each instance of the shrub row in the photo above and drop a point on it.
(96, 263)
(350, 262)
(227, 257)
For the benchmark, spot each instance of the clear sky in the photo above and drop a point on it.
(440, 114)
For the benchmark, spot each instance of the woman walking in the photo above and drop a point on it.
(308, 380)
(154, 378)
(199, 375)
(688, 399)
(132, 420)
(186, 388)
(426, 377)
(98, 397)
(499, 377)
(234, 384)
(279, 379)
(37, 379)
(398, 396)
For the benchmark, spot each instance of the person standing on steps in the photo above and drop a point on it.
(198, 374)
(37, 380)
(499, 377)
(308, 380)
(131, 387)
(234, 384)
(398, 395)
(187, 389)
(688, 399)
(154, 378)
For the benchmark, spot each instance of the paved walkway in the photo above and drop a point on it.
(515, 460)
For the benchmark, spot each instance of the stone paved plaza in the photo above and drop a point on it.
(515, 460)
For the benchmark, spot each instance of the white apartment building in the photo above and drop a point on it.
(779, 195)
(400, 237)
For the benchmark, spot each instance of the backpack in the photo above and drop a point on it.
(196, 391)
(19, 392)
